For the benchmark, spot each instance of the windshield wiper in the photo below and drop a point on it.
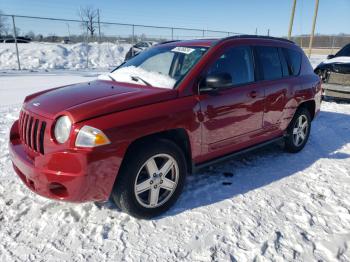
(137, 78)
(118, 66)
(112, 78)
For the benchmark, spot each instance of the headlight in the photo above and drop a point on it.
(89, 136)
(62, 129)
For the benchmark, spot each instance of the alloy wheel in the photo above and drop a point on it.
(300, 130)
(156, 181)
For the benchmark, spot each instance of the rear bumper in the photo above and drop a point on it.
(70, 175)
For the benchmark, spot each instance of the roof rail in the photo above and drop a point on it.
(259, 37)
(167, 42)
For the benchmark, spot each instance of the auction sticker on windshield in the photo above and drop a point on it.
(182, 49)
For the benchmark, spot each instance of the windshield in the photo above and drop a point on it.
(162, 67)
(345, 51)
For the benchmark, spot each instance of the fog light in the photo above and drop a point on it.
(58, 190)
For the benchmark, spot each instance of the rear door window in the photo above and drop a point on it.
(270, 64)
(238, 62)
(294, 61)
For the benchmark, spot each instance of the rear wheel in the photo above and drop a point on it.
(151, 179)
(298, 131)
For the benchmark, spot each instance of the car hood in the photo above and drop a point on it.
(87, 100)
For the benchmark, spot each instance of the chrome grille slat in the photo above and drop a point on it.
(29, 130)
(41, 137)
(25, 128)
(32, 131)
(23, 125)
(35, 135)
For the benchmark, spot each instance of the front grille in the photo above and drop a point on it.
(32, 131)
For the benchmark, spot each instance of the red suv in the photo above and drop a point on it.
(136, 133)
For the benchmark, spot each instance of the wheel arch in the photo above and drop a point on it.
(178, 136)
(309, 105)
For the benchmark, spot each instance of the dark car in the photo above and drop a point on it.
(335, 73)
(174, 108)
(20, 40)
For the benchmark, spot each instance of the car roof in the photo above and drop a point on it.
(212, 41)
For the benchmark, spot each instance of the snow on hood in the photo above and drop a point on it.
(339, 59)
(124, 74)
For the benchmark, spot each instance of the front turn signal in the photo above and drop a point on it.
(89, 136)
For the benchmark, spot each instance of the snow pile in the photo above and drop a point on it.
(130, 74)
(62, 56)
(267, 205)
(39, 56)
(315, 60)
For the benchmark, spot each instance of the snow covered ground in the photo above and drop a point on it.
(317, 59)
(266, 205)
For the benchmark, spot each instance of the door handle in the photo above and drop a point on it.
(253, 94)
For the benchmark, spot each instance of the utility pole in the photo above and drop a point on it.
(313, 28)
(99, 25)
(332, 44)
(15, 35)
(68, 31)
(132, 40)
(291, 21)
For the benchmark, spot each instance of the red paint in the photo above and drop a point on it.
(216, 125)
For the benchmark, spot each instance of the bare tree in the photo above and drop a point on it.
(3, 25)
(30, 35)
(88, 16)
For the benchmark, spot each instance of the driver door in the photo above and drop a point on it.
(236, 110)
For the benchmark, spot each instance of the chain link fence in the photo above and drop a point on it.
(103, 39)
(69, 43)
(330, 42)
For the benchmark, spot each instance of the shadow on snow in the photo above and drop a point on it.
(330, 132)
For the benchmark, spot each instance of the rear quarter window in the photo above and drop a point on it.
(293, 60)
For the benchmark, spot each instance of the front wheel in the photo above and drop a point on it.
(151, 179)
(298, 131)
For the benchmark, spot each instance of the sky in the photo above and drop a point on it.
(242, 16)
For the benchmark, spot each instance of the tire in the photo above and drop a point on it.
(292, 143)
(142, 170)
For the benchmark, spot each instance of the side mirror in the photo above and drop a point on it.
(216, 82)
(330, 56)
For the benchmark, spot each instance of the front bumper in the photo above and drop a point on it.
(336, 91)
(69, 175)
